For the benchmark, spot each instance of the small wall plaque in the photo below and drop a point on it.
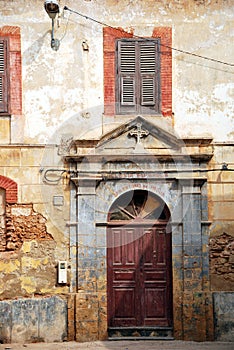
(58, 201)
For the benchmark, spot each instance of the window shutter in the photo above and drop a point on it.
(148, 91)
(148, 73)
(127, 91)
(127, 70)
(138, 76)
(3, 76)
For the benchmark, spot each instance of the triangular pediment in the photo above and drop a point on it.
(138, 136)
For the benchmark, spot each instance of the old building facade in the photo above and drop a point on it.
(116, 170)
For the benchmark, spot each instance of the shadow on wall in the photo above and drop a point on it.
(31, 53)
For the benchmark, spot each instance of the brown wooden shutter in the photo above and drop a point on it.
(127, 67)
(138, 76)
(148, 73)
(3, 75)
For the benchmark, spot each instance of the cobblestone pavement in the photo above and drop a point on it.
(123, 345)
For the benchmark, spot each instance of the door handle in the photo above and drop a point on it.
(155, 254)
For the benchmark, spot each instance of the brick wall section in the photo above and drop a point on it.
(13, 33)
(23, 223)
(20, 220)
(11, 189)
(165, 35)
(109, 37)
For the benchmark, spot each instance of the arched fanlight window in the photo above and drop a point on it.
(138, 204)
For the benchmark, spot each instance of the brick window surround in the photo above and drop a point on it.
(11, 189)
(12, 33)
(110, 35)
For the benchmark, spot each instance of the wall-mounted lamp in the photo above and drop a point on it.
(52, 8)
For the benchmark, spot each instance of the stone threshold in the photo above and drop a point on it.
(140, 333)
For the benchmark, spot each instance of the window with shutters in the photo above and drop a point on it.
(138, 76)
(3, 76)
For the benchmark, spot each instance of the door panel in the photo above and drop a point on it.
(155, 299)
(139, 276)
(124, 299)
(122, 280)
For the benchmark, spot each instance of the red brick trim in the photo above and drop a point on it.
(109, 37)
(15, 61)
(165, 35)
(11, 189)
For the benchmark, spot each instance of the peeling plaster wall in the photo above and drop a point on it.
(46, 321)
(68, 83)
(31, 245)
(223, 312)
(63, 97)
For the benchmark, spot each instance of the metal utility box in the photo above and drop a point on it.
(62, 272)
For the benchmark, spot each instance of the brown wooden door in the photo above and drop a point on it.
(139, 276)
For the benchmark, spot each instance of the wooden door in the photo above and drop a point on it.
(139, 276)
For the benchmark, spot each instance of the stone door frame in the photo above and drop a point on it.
(91, 200)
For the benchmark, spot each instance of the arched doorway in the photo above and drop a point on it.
(139, 277)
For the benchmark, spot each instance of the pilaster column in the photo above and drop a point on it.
(196, 304)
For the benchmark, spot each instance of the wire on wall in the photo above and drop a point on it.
(139, 37)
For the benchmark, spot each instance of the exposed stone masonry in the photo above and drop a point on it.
(222, 256)
(2, 235)
(23, 223)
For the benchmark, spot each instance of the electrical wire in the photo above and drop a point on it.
(139, 37)
(65, 31)
(54, 171)
(60, 172)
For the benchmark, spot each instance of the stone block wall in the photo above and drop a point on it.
(87, 316)
(221, 204)
(198, 316)
(221, 240)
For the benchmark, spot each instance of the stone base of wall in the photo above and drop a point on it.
(197, 316)
(87, 317)
(83, 317)
(33, 320)
(223, 316)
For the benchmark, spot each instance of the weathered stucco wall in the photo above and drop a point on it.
(33, 320)
(223, 314)
(64, 84)
(63, 96)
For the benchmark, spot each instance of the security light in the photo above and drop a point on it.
(52, 8)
